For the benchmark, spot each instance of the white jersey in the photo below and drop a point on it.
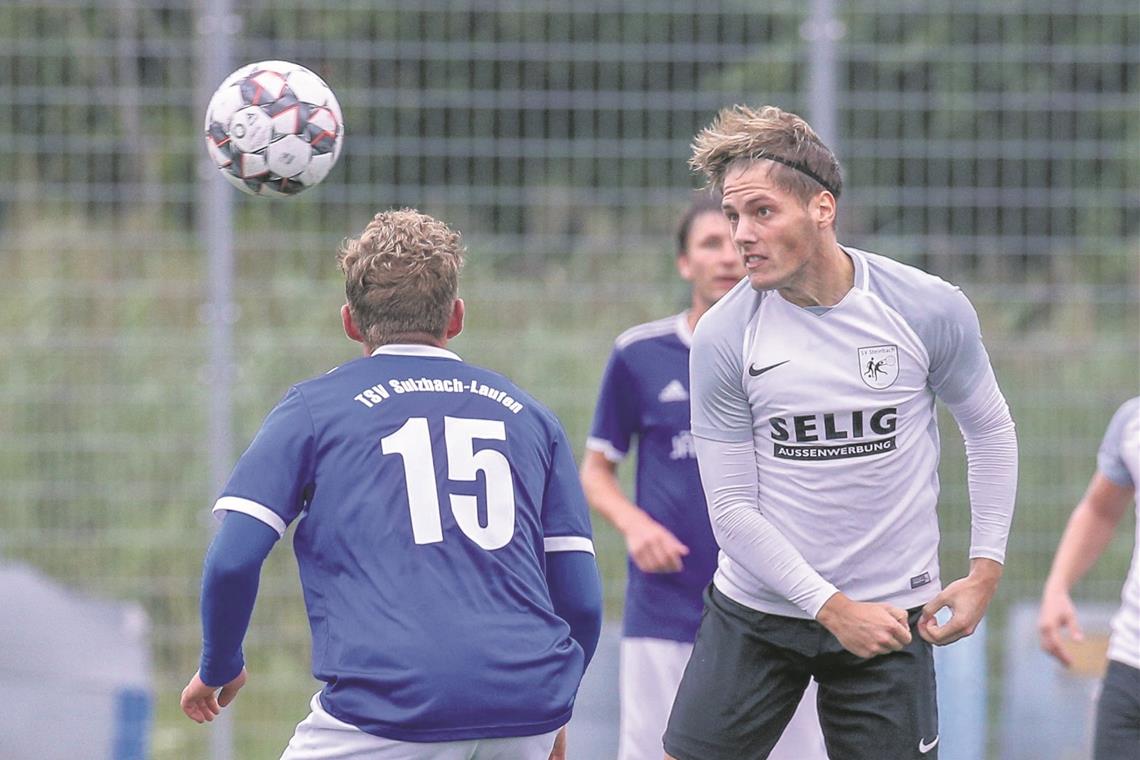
(1119, 461)
(837, 407)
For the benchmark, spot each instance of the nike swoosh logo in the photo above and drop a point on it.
(758, 372)
(923, 747)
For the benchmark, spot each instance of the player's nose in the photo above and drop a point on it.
(744, 232)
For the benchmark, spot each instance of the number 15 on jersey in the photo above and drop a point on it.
(412, 442)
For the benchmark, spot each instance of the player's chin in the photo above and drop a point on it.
(762, 280)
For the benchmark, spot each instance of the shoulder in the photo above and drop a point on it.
(337, 373)
(504, 383)
(1128, 414)
(533, 409)
(729, 318)
(648, 332)
(330, 380)
(1129, 409)
(1118, 457)
(905, 284)
(920, 297)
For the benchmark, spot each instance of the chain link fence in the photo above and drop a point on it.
(995, 144)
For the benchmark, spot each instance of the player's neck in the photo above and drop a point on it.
(405, 339)
(824, 280)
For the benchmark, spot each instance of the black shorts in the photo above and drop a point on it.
(749, 670)
(1118, 714)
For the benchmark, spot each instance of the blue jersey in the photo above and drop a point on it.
(430, 492)
(645, 393)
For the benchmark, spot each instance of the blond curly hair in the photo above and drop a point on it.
(401, 276)
(740, 134)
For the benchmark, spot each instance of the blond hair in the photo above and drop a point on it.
(401, 276)
(739, 134)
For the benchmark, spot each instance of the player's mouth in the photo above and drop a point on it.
(753, 260)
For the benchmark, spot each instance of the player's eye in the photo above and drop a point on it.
(763, 211)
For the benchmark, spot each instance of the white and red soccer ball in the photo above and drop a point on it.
(274, 128)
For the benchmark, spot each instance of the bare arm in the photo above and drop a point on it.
(1088, 532)
(653, 548)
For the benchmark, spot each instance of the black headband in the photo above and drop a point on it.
(802, 169)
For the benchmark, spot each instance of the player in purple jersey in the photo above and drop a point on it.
(445, 552)
(672, 553)
(813, 389)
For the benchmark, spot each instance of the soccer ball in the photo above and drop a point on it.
(274, 128)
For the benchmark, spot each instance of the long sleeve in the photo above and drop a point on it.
(728, 473)
(576, 593)
(229, 587)
(991, 465)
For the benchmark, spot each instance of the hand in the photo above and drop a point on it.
(865, 629)
(199, 701)
(1058, 614)
(559, 750)
(653, 548)
(967, 598)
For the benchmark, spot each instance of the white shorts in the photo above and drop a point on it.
(322, 737)
(650, 672)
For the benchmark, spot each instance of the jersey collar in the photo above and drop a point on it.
(415, 349)
(860, 281)
(684, 333)
(862, 278)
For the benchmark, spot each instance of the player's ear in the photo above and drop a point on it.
(455, 324)
(684, 267)
(350, 328)
(824, 208)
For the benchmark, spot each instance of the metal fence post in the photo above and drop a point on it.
(216, 26)
(822, 31)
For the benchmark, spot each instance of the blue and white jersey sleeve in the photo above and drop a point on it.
(272, 480)
(565, 515)
(615, 416)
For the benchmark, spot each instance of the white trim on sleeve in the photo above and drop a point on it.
(605, 448)
(568, 544)
(253, 509)
(684, 332)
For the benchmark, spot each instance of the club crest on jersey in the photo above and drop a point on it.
(879, 366)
